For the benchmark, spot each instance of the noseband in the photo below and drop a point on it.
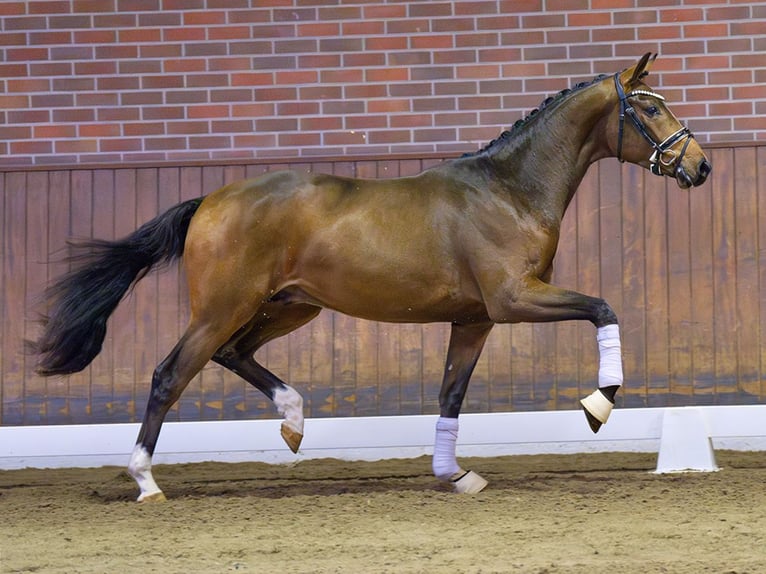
(660, 149)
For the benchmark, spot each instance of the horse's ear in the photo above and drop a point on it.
(632, 76)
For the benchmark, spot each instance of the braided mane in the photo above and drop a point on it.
(506, 135)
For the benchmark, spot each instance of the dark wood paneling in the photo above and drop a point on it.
(685, 271)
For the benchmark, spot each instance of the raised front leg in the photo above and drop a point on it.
(466, 343)
(542, 302)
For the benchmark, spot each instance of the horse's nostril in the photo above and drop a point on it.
(705, 168)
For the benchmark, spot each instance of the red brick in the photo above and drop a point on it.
(294, 15)
(681, 15)
(321, 123)
(54, 131)
(476, 8)
(295, 77)
(205, 17)
(25, 23)
(389, 105)
(22, 132)
(28, 116)
(469, 40)
(659, 32)
(314, 29)
(92, 6)
(138, 5)
(364, 122)
(255, 141)
(80, 145)
(28, 85)
(453, 25)
(347, 137)
(387, 74)
(164, 81)
(13, 8)
(34, 147)
(164, 20)
(390, 136)
(182, 65)
(455, 119)
(432, 73)
(252, 79)
(299, 139)
(139, 35)
(455, 57)
(478, 71)
(410, 89)
(142, 98)
(100, 130)
(412, 120)
(366, 91)
(635, 17)
(435, 135)
(13, 39)
(116, 52)
(521, 6)
(543, 21)
(188, 127)
(228, 32)
(705, 30)
(163, 113)
(26, 54)
(120, 114)
(500, 55)
(344, 76)
(275, 94)
(207, 111)
(68, 22)
(363, 60)
(52, 100)
(143, 128)
(386, 43)
(186, 34)
(297, 108)
(119, 83)
(253, 110)
(357, 28)
(42, 38)
(164, 143)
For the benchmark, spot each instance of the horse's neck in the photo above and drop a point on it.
(546, 162)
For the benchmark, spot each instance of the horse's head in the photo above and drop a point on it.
(652, 137)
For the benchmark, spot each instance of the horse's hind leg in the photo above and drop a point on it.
(465, 345)
(169, 380)
(272, 320)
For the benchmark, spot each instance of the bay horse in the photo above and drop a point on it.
(469, 242)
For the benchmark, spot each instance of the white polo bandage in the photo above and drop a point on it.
(610, 356)
(444, 462)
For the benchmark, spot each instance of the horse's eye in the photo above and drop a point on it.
(652, 111)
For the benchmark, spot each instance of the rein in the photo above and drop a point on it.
(660, 149)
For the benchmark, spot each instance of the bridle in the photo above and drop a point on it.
(656, 160)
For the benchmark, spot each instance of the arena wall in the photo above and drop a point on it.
(113, 111)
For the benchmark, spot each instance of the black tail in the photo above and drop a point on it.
(82, 300)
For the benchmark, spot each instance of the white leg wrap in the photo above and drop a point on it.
(289, 404)
(140, 468)
(445, 464)
(610, 356)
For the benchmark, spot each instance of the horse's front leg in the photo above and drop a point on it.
(542, 302)
(466, 343)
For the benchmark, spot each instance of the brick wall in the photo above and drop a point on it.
(87, 81)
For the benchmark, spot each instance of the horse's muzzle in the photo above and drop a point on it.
(684, 179)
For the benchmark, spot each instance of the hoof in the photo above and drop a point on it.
(597, 409)
(468, 483)
(154, 497)
(593, 422)
(291, 437)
